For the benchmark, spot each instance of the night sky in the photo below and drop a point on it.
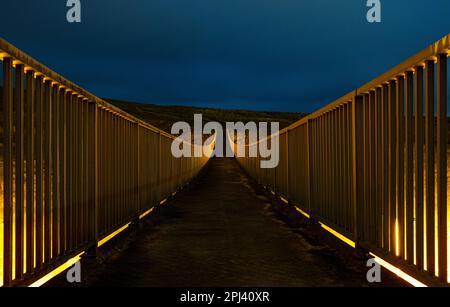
(281, 55)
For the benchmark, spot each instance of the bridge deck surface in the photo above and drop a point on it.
(222, 232)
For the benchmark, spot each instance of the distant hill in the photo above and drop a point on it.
(164, 116)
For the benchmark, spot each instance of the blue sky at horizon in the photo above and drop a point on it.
(276, 55)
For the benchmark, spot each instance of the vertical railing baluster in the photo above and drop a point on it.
(429, 158)
(55, 175)
(357, 166)
(419, 139)
(7, 170)
(39, 170)
(70, 170)
(160, 168)
(392, 122)
(288, 196)
(62, 172)
(349, 156)
(76, 169)
(400, 163)
(88, 176)
(385, 165)
(341, 177)
(84, 180)
(19, 170)
(372, 170)
(47, 169)
(310, 162)
(365, 210)
(29, 160)
(441, 180)
(93, 167)
(138, 189)
(109, 174)
(378, 157)
(409, 168)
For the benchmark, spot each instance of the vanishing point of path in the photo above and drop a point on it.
(221, 232)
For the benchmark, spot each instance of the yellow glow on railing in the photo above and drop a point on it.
(56, 271)
(338, 235)
(1, 245)
(163, 201)
(146, 213)
(284, 200)
(398, 272)
(382, 262)
(75, 259)
(302, 212)
(115, 233)
(397, 244)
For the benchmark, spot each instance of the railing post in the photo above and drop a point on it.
(357, 167)
(419, 137)
(39, 169)
(29, 157)
(429, 167)
(56, 207)
(48, 166)
(409, 168)
(7, 170)
(392, 154)
(308, 163)
(63, 171)
(160, 168)
(19, 167)
(287, 166)
(92, 173)
(385, 161)
(96, 171)
(441, 157)
(138, 167)
(400, 163)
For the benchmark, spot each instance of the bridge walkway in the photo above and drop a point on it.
(222, 231)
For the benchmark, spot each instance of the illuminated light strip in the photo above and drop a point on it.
(398, 272)
(162, 201)
(284, 200)
(302, 212)
(408, 278)
(69, 263)
(56, 271)
(115, 233)
(146, 213)
(338, 235)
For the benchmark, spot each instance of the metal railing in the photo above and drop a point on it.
(75, 168)
(373, 164)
